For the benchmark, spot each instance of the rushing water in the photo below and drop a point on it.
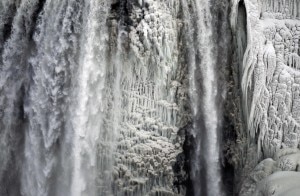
(210, 148)
(204, 65)
(93, 93)
(88, 107)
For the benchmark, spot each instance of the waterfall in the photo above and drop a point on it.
(89, 107)
(205, 169)
(38, 61)
(97, 97)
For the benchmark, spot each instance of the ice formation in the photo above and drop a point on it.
(96, 96)
(275, 177)
(269, 86)
(113, 97)
(92, 96)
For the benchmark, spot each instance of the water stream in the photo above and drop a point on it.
(93, 95)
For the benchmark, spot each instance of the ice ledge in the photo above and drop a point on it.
(278, 176)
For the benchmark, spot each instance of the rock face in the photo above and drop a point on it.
(112, 97)
(126, 97)
(93, 95)
(152, 96)
(267, 86)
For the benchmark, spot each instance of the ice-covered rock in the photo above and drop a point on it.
(267, 84)
(273, 175)
(152, 95)
(279, 184)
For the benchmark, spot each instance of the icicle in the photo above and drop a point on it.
(269, 61)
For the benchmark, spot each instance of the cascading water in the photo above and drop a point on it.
(95, 95)
(203, 58)
(210, 148)
(89, 108)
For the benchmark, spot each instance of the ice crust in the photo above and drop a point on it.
(270, 98)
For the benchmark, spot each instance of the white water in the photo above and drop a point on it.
(46, 101)
(207, 144)
(88, 129)
(98, 119)
(207, 66)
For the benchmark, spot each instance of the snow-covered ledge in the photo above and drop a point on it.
(278, 176)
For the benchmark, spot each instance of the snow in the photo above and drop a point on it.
(280, 184)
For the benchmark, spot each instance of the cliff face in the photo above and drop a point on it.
(267, 81)
(153, 93)
(132, 97)
(112, 97)
(93, 97)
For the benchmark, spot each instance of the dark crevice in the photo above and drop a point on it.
(235, 118)
(241, 37)
(222, 38)
(35, 17)
(7, 30)
(228, 171)
(182, 166)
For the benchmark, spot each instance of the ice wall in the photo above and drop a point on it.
(269, 82)
(152, 97)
